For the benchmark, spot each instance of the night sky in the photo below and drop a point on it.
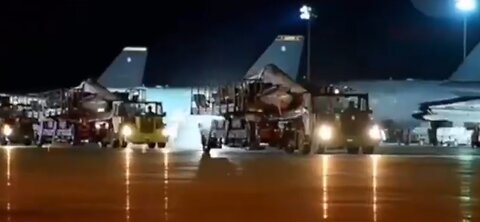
(48, 44)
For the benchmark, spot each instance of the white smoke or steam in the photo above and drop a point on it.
(436, 8)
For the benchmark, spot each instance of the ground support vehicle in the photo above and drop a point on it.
(17, 131)
(213, 136)
(293, 136)
(138, 123)
(343, 120)
(101, 132)
(17, 118)
(249, 121)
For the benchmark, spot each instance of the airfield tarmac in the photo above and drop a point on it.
(92, 184)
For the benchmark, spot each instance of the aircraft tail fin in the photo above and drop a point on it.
(469, 70)
(127, 70)
(285, 53)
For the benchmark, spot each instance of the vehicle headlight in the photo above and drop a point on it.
(375, 133)
(7, 130)
(325, 132)
(165, 132)
(100, 125)
(127, 131)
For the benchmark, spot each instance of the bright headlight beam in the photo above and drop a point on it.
(325, 132)
(126, 131)
(374, 132)
(7, 130)
(165, 132)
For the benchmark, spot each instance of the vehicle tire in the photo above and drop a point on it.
(103, 144)
(368, 150)
(123, 144)
(321, 150)
(253, 145)
(206, 149)
(151, 145)
(306, 150)
(273, 144)
(27, 142)
(161, 145)
(40, 144)
(289, 149)
(115, 143)
(353, 150)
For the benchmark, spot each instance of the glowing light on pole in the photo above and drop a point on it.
(466, 7)
(306, 13)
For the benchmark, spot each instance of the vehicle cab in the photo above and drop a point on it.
(140, 123)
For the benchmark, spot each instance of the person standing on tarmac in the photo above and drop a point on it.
(203, 134)
(475, 137)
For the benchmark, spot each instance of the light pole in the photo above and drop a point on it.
(306, 13)
(465, 6)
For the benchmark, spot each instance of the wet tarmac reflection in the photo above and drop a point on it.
(375, 159)
(466, 200)
(159, 185)
(325, 185)
(165, 183)
(8, 183)
(128, 157)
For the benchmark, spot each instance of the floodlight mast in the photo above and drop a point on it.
(466, 7)
(306, 13)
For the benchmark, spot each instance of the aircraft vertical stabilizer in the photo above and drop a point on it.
(127, 70)
(469, 70)
(285, 53)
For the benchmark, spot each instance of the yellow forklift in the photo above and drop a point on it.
(138, 123)
(343, 120)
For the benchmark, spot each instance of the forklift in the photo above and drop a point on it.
(343, 120)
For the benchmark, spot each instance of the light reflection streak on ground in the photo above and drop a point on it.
(325, 185)
(128, 157)
(375, 160)
(166, 155)
(8, 182)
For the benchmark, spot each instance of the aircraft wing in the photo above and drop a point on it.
(460, 109)
(458, 102)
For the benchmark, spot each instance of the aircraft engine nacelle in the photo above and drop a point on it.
(277, 103)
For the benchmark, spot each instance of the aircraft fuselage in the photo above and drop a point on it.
(397, 100)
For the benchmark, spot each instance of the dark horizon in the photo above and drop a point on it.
(50, 45)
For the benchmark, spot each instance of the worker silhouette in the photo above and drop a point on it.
(150, 111)
(351, 107)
